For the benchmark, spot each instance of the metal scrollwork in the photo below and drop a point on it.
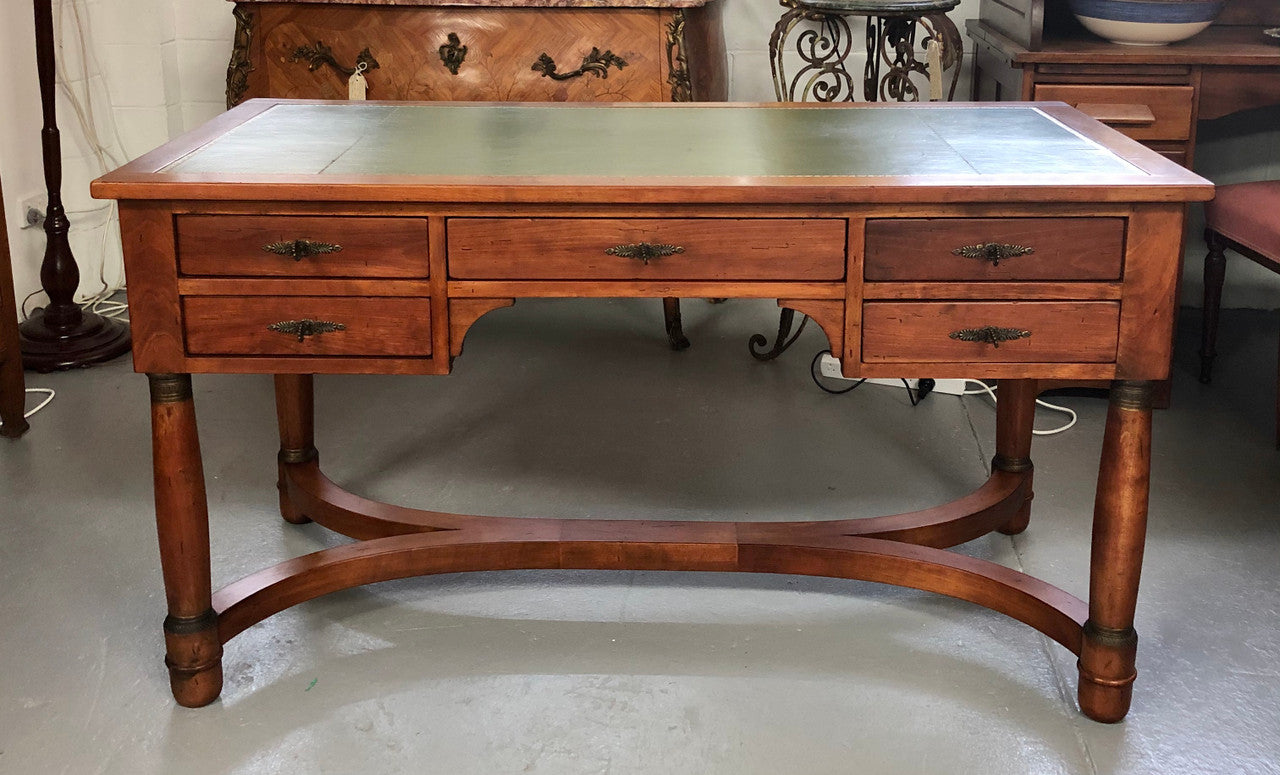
(644, 251)
(319, 55)
(995, 252)
(678, 60)
(305, 327)
(596, 62)
(240, 66)
(823, 51)
(992, 335)
(452, 53)
(299, 249)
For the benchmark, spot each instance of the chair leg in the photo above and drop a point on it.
(1278, 399)
(1215, 270)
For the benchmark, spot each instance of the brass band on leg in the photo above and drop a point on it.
(1133, 394)
(1110, 637)
(1014, 465)
(303, 455)
(169, 388)
(188, 625)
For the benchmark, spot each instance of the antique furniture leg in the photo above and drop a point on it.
(1015, 415)
(675, 328)
(1215, 271)
(193, 649)
(785, 318)
(1109, 646)
(12, 386)
(295, 411)
(61, 335)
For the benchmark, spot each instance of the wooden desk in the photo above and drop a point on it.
(1035, 50)
(1017, 243)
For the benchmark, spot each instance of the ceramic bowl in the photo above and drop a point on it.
(1146, 22)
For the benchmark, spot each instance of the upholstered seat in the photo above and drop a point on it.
(1244, 217)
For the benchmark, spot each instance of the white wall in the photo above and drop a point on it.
(157, 67)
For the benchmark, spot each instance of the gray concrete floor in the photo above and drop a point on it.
(577, 409)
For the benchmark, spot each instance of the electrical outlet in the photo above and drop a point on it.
(33, 210)
(829, 366)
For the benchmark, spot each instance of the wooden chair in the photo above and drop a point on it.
(1244, 217)
(12, 385)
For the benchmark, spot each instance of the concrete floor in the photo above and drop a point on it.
(578, 409)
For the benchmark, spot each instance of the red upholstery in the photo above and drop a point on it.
(1248, 213)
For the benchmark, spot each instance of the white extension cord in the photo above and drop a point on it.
(829, 366)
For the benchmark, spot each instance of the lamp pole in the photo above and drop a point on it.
(61, 335)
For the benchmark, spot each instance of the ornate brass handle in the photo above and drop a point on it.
(644, 251)
(452, 53)
(995, 252)
(305, 327)
(992, 335)
(320, 55)
(596, 63)
(299, 249)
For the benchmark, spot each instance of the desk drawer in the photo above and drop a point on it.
(1141, 112)
(677, 249)
(953, 332)
(306, 325)
(301, 246)
(942, 249)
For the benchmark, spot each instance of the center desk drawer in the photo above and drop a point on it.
(301, 246)
(646, 249)
(991, 332)
(959, 249)
(307, 325)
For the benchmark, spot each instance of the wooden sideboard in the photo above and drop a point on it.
(513, 50)
(1036, 50)
(373, 248)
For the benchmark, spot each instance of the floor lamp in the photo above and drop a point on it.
(61, 335)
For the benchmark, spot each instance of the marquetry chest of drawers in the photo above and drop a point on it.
(513, 50)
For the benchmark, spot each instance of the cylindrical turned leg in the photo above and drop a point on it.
(1215, 271)
(295, 411)
(193, 651)
(1015, 416)
(1107, 655)
(674, 325)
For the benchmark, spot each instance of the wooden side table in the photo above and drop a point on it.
(12, 385)
(512, 50)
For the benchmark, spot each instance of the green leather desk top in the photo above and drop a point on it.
(507, 140)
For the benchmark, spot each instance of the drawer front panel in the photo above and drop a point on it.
(1141, 112)
(241, 325)
(503, 45)
(301, 246)
(1059, 332)
(986, 249)
(696, 249)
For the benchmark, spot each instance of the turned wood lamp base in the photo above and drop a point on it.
(96, 339)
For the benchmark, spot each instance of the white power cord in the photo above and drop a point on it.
(49, 394)
(991, 392)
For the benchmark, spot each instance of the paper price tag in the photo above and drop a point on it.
(357, 86)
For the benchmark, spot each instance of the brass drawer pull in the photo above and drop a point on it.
(992, 335)
(299, 249)
(305, 327)
(319, 55)
(644, 251)
(995, 252)
(596, 63)
(452, 53)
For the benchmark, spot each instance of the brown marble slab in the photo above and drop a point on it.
(508, 3)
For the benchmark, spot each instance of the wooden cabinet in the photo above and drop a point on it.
(1035, 50)
(535, 51)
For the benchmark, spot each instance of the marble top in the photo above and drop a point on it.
(627, 142)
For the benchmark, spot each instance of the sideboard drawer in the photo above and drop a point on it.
(955, 332)
(925, 249)
(1141, 112)
(306, 325)
(301, 246)
(646, 249)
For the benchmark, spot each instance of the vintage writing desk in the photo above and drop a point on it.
(1017, 243)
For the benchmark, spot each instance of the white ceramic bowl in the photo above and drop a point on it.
(1146, 22)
